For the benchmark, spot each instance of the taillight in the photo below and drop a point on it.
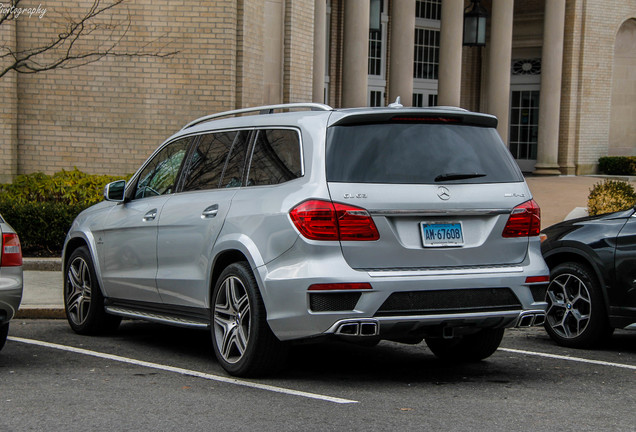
(11, 251)
(325, 220)
(524, 221)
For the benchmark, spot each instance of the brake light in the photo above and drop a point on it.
(11, 251)
(325, 220)
(524, 221)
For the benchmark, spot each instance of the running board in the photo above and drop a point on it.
(155, 317)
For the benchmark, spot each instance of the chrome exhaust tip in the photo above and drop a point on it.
(359, 328)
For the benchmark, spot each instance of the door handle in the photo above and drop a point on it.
(210, 212)
(150, 216)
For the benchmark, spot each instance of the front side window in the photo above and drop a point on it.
(218, 156)
(276, 157)
(160, 175)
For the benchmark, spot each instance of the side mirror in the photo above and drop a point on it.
(115, 191)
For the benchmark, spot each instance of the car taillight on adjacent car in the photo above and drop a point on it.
(524, 221)
(326, 220)
(11, 250)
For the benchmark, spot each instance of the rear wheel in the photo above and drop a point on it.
(469, 348)
(576, 314)
(4, 332)
(243, 342)
(83, 299)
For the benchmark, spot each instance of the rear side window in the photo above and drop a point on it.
(418, 153)
(276, 157)
(217, 161)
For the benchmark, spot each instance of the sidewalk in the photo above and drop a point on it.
(557, 197)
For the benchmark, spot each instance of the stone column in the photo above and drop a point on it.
(402, 46)
(450, 53)
(320, 50)
(355, 54)
(499, 64)
(550, 97)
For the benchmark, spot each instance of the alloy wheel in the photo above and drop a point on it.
(569, 306)
(78, 290)
(232, 319)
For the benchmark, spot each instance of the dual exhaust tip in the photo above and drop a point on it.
(358, 328)
(531, 319)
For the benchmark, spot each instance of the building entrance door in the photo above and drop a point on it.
(524, 124)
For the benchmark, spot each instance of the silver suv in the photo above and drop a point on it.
(363, 224)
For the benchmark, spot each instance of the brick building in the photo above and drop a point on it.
(559, 74)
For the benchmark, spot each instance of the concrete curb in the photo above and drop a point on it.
(42, 264)
(34, 312)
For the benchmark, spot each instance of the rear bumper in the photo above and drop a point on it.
(10, 292)
(291, 314)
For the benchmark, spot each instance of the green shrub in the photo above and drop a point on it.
(41, 207)
(617, 165)
(610, 196)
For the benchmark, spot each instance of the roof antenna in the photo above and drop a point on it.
(396, 104)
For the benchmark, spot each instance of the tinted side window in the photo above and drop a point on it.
(235, 166)
(160, 175)
(219, 155)
(276, 157)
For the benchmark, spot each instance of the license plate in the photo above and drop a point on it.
(442, 234)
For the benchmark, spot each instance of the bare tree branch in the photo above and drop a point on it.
(94, 35)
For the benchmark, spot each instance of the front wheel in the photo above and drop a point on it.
(83, 299)
(469, 348)
(242, 340)
(576, 315)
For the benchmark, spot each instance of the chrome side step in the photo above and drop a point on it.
(155, 317)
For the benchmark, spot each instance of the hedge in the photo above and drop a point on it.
(41, 207)
(617, 165)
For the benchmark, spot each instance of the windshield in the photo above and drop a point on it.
(418, 153)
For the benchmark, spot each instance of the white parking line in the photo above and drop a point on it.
(184, 371)
(574, 359)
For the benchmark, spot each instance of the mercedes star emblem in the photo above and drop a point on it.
(443, 193)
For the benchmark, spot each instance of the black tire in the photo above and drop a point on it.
(469, 348)
(576, 316)
(242, 340)
(4, 332)
(83, 298)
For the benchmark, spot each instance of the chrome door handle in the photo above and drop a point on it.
(150, 216)
(210, 212)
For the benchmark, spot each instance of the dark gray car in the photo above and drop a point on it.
(363, 224)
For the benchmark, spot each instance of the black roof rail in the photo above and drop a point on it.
(267, 109)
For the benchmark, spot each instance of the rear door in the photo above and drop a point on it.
(440, 192)
(191, 220)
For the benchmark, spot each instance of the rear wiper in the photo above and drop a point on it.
(457, 176)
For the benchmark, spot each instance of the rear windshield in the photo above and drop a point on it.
(418, 153)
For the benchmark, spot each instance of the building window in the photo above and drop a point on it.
(426, 56)
(375, 98)
(428, 9)
(375, 52)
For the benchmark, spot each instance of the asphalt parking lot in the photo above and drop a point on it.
(151, 377)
